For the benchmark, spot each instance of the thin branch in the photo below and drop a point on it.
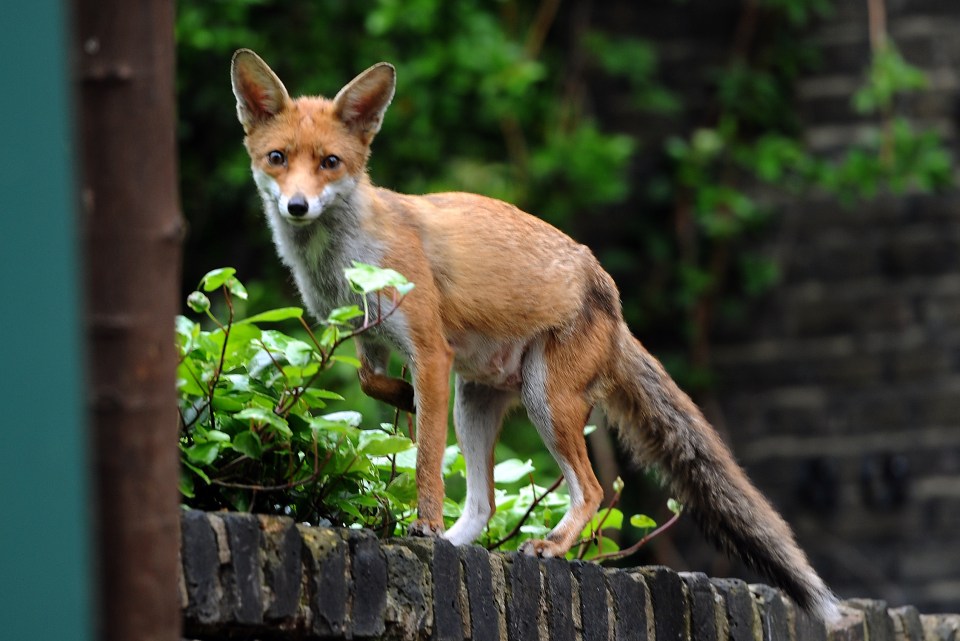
(639, 544)
(536, 501)
(546, 14)
(223, 355)
(877, 16)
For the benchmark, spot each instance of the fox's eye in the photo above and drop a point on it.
(276, 158)
(330, 162)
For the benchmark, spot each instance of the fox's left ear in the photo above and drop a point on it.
(260, 94)
(363, 102)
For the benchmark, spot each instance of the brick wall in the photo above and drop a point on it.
(256, 577)
(841, 393)
(845, 387)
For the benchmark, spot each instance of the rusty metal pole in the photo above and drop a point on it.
(131, 233)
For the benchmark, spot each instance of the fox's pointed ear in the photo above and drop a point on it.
(362, 103)
(260, 94)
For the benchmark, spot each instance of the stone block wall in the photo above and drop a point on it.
(255, 577)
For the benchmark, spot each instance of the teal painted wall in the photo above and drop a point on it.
(46, 586)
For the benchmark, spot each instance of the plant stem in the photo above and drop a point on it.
(536, 501)
(639, 544)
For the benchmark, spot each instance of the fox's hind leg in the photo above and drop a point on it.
(556, 377)
(478, 416)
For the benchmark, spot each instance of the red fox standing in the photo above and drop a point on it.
(513, 306)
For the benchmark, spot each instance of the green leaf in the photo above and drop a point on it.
(366, 279)
(348, 360)
(216, 436)
(642, 521)
(404, 461)
(202, 453)
(274, 315)
(512, 471)
(343, 315)
(316, 392)
(404, 488)
(350, 509)
(215, 278)
(611, 517)
(198, 302)
(265, 416)
(374, 443)
(675, 506)
(298, 352)
(337, 421)
(248, 443)
(350, 418)
(187, 376)
(222, 403)
(236, 288)
(196, 470)
(329, 336)
(186, 484)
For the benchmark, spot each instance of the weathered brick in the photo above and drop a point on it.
(593, 601)
(282, 566)
(408, 612)
(906, 622)
(559, 595)
(669, 602)
(484, 623)
(325, 558)
(808, 628)
(741, 613)
(629, 594)
(878, 622)
(243, 580)
(851, 626)
(705, 617)
(446, 578)
(368, 585)
(201, 563)
(524, 598)
(941, 627)
(774, 619)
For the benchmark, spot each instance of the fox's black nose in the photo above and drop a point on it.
(297, 205)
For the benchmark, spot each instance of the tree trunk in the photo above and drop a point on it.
(131, 229)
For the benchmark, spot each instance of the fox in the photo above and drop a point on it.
(513, 308)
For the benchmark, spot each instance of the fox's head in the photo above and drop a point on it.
(307, 154)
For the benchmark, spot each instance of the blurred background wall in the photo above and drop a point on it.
(839, 388)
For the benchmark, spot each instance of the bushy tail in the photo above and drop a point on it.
(661, 425)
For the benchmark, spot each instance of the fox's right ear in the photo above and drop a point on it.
(260, 94)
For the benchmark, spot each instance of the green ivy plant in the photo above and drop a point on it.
(257, 432)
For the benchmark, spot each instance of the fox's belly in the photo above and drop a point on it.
(480, 359)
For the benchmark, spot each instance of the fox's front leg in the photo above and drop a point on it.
(478, 416)
(432, 385)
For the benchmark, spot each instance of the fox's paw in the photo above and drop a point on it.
(425, 528)
(542, 548)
